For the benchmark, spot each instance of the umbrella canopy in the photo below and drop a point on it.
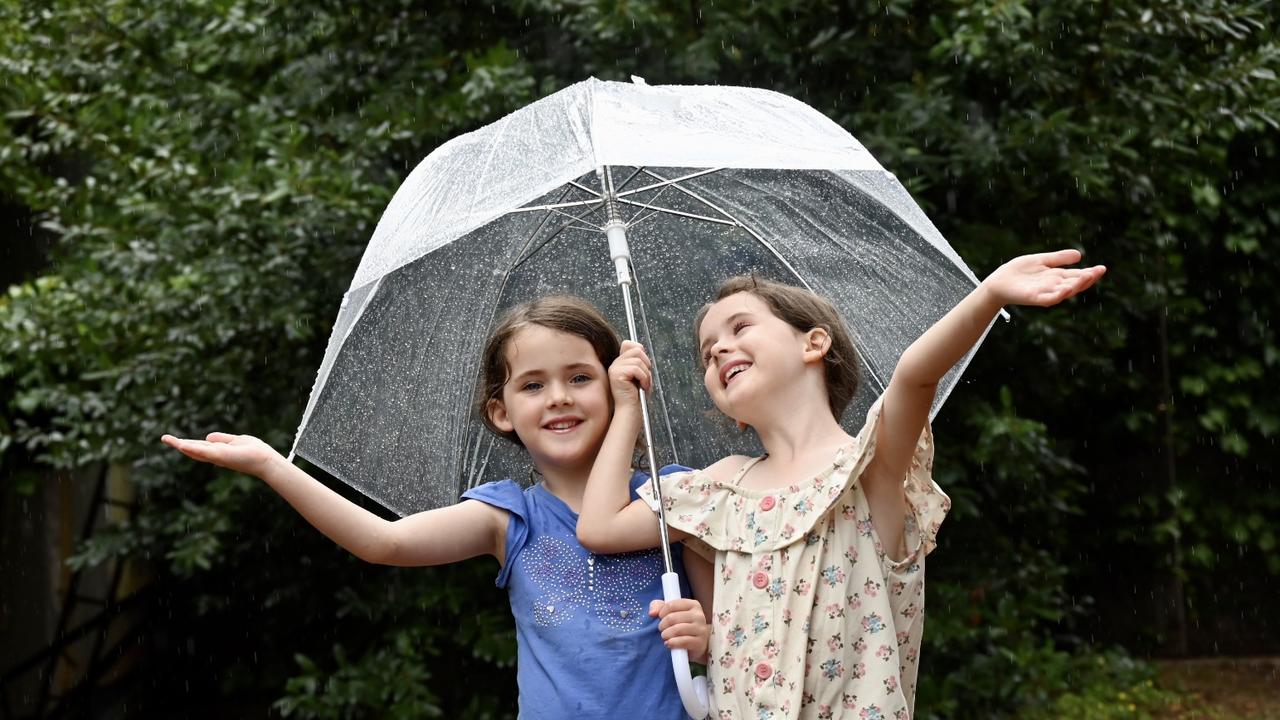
(711, 182)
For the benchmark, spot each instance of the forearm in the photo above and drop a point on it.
(608, 489)
(935, 352)
(357, 530)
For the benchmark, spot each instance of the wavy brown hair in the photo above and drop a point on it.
(565, 313)
(804, 311)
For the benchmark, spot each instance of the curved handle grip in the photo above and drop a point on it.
(693, 690)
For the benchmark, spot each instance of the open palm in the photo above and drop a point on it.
(243, 453)
(1042, 279)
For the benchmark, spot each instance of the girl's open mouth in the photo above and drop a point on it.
(732, 370)
(562, 425)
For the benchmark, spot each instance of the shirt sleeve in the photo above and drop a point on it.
(643, 490)
(927, 504)
(692, 501)
(509, 496)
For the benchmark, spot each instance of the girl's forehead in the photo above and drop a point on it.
(536, 346)
(722, 310)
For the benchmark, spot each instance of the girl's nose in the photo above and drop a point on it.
(559, 395)
(721, 346)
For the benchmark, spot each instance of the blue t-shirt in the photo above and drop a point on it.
(587, 647)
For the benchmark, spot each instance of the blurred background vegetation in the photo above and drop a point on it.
(186, 188)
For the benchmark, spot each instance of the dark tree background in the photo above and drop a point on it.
(201, 178)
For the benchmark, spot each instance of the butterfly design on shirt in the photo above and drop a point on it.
(571, 581)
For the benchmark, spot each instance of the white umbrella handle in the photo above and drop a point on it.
(693, 690)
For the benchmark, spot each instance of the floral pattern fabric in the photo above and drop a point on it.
(811, 618)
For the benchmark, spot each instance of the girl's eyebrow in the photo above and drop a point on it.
(538, 372)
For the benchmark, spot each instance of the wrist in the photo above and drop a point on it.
(988, 299)
(627, 412)
(272, 466)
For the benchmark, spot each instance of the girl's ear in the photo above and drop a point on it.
(816, 344)
(498, 415)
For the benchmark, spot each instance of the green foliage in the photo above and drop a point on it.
(1111, 687)
(450, 636)
(210, 172)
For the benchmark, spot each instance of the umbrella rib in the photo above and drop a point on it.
(575, 218)
(471, 464)
(673, 181)
(553, 206)
(681, 213)
(652, 200)
(483, 466)
(630, 177)
(768, 246)
(657, 379)
(585, 189)
(524, 253)
(525, 257)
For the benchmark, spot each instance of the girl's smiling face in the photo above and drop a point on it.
(746, 351)
(556, 398)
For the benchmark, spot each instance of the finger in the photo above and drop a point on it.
(194, 449)
(634, 376)
(637, 374)
(682, 630)
(632, 349)
(683, 633)
(219, 437)
(1081, 281)
(673, 620)
(692, 644)
(655, 608)
(680, 605)
(1060, 257)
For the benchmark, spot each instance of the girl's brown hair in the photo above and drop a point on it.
(565, 313)
(804, 311)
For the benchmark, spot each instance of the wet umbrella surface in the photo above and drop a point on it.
(709, 182)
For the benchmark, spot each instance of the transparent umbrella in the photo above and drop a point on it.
(661, 191)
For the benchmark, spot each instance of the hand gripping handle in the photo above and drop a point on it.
(693, 690)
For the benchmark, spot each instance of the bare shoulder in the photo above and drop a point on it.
(494, 520)
(725, 468)
(493, 517)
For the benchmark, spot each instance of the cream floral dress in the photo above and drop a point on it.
(812, 620)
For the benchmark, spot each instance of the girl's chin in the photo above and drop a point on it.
(740, 411)
(565, 458)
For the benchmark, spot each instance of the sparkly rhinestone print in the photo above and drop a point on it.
(571, 582)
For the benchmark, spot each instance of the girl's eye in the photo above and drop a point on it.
(737, 327)
(531, 386)
(580, 378)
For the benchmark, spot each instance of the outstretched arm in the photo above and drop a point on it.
(434, 537)
(1040, 279)
(610, 522)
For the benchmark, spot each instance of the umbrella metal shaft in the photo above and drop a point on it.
(616, 231)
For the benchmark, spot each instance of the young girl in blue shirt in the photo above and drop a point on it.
(587, 624)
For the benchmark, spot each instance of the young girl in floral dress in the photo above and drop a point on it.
(819, 544)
